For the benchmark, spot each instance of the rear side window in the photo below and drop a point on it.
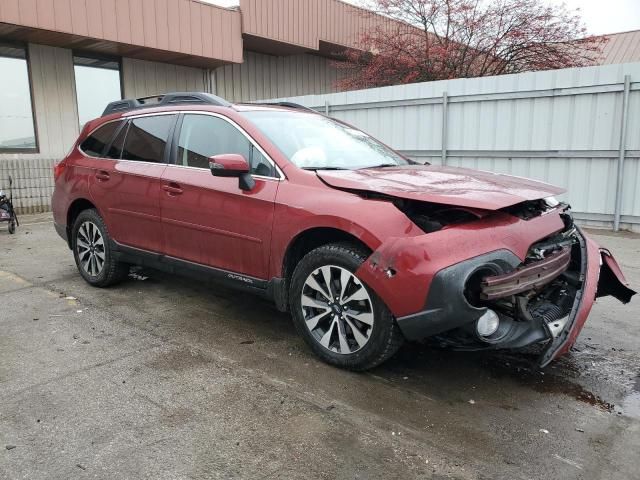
(146, 138)
(115, 150)
(95, 144)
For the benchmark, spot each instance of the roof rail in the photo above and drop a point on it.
(297, 106)
(168, 99)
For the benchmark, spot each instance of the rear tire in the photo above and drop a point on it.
(341, 319)
(92, 251)
(12, 227)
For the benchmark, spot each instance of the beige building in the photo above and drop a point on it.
(62, 61)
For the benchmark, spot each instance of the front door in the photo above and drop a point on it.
(210, 220)
(127, 186)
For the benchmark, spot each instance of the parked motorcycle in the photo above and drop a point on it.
(7, 212)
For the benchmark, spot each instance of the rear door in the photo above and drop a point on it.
(127, 185)
(210, 220)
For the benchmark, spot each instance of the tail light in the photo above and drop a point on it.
(58, 169)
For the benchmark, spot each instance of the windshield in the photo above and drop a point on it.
(315, 142)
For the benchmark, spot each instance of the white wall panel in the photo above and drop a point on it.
(265, 76)
(141, 78)
(561, 126)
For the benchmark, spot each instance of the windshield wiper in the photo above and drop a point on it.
(382, 165)
(324, 168)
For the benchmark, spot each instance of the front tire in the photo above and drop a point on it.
(341, 319)
(93, 253)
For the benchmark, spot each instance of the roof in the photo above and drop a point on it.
(621, 47)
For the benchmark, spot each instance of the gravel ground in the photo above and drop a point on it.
(169, 378)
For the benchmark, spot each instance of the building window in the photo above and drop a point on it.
(17, 124)
(97, 84)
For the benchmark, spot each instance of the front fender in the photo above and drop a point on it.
(402, 269)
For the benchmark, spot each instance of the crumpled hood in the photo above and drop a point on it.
(445, 185)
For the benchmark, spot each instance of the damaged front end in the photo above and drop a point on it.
(546, 299)
(515, 296)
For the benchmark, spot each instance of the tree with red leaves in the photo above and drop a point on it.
(443, 39)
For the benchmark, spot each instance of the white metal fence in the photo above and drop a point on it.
(564, 127)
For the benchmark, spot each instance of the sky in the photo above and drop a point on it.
(600, 16)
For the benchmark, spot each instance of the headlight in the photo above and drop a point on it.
(552, 202)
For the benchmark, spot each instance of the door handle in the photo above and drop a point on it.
(103, 176)
(172, 189)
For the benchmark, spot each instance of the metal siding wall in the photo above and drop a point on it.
(142, 78)
(308, 22)
(265, 76)
(174, 25)
(54, 102)
(561, 126)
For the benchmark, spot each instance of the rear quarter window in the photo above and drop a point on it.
(147, 138)
(95, 144)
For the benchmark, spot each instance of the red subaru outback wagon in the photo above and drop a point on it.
(363, 246)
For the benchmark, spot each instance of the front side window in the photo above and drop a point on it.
(97, 84)
(17, 124)
(147, 138)
(95, 143)
(203, 136)
(313, 141)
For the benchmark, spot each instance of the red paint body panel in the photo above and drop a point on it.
(309, 204)
(446, 185)
(589, 289)
(417, 260)
(611, 262)
(214, 223)
(129, 199)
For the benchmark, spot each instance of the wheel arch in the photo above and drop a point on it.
(76, 207)
(304, 242)
(313, 238)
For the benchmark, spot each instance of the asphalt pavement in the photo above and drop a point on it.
(164, 377)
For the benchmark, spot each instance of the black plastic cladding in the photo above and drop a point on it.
(168, 99)
(183, 98)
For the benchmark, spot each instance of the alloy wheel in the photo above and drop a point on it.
(90, 248)
(337, 309)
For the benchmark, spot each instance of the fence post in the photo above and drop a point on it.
(326, 107)
(622, 152)
(445, 108)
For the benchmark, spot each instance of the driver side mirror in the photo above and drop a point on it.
(232, 165)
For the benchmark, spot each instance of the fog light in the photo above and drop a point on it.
(488, 324)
